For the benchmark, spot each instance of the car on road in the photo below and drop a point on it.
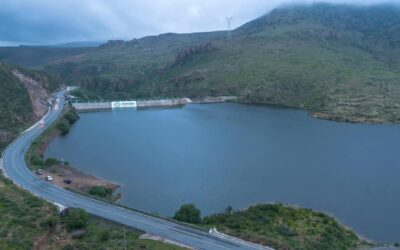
(39, 171)
(68, 181)
(48, 178)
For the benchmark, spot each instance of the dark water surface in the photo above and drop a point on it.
(217, 155)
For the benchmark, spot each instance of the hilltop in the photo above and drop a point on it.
(336, 61)
(38, 56)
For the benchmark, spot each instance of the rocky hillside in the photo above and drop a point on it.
(336, 61)
(23, 100)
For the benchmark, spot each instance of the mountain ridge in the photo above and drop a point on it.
(336, 61)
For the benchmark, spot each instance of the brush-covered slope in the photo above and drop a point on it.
(337, 61)
(23, 99)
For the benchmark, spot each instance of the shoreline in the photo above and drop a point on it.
(62, 171)
(179, 102)
(55, 133)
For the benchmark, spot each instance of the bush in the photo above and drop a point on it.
(104, 235)
(188, 213)
(51, 161)
(100, 191)
(51, 222)
(68, 247)
(76, 218)
(36, 160)
(71, 116)
(63, 126)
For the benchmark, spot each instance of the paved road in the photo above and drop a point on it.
(16, 169)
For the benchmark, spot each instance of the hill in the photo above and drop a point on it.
(38, 56)
(26, 221)
(337, 61)
(23, 99)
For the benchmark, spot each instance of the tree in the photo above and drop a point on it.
(63, 126)
(188, 213)
(51, 161)
(100, 191)
(76, 218)
(228, 210)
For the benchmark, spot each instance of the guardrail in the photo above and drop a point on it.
(2, 165)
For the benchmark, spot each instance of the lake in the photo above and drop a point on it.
(215, 155)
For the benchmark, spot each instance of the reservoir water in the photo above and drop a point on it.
(217, 155)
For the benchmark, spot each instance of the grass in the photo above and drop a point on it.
(22, 218)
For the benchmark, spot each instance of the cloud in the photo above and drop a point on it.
(50, 21)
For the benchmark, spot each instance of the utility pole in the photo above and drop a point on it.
(124, 240)
(229, 31)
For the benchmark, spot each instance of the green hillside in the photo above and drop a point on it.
(15, 109)
(16, 112)
(336, 61)
(35, 57)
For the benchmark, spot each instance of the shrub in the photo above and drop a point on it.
(76, 218)
(100, 191)
(36, 160)
(51, 161)
(188, 213)
(104, 236)
(71, 117)
(51, 222)
(63, 126)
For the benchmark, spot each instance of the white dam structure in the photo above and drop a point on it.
(87, 106)
(124, 104)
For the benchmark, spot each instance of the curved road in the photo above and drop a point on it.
(16, 169)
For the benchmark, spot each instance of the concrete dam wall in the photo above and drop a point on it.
(92, 106)
(131, 104)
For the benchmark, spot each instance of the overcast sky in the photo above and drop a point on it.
(61, 21)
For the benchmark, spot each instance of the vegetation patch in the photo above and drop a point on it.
(278, 226)
(188, 213)
(27, 222)
(101, 192)
(35, 155)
